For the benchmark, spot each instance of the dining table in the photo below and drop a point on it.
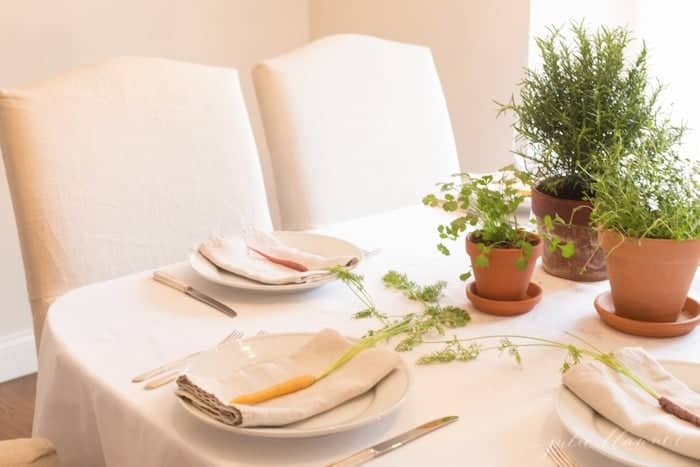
(97, 337)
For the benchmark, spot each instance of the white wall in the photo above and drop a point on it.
(480, 49)
(670, 29)
(39, 38)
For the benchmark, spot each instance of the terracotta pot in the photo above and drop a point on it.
(649, 278)
(588, 262)
(501, 280)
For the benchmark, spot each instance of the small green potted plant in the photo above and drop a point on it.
(502, 252)
(587, 97)
(647, 209)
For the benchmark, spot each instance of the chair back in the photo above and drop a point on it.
(123, 166)
(355, 125)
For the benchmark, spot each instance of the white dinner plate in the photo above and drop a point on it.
(370, 407)
(314, 243)
(598, 433)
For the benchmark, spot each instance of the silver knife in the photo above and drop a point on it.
(390, 444)
(170, 281)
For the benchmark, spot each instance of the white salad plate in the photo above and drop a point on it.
(314, 243)
(598, 433)
(370, 407)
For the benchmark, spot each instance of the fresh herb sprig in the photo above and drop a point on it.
(488, 206)
(435, 318)
(487, 202)
(649, 191)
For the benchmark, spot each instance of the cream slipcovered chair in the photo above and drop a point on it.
(123, 166)
(355, 125)
(120, 167)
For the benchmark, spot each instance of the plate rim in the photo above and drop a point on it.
(282, 432)
(594, 445)
(250, 285)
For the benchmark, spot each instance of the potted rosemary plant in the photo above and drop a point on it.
(647, 207)
(586, 97)
(502, 252)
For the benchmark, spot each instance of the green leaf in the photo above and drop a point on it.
(568, 250)
(465, 275)
(521, 263)
(450, 206)
(443, 249)
(481, 261)
(430, 200)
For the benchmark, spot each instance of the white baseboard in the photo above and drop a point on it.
(17, 355)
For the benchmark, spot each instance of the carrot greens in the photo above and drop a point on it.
(413, 327)
(436, 318)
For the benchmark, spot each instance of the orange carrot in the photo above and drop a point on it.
(276, 390)
(302, 382)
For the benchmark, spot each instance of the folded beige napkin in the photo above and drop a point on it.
(619, 400)
(233, 254)
(359, 375)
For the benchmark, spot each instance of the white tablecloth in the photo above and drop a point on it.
(98, 337)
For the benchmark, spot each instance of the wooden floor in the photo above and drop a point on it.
(17, 407)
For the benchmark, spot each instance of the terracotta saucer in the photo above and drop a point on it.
(688, 319)
(505, 307)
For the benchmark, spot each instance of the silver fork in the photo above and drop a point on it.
(236, 334)
(559, 457)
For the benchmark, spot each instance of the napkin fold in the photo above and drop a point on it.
(356, 377)
(622, 402)
(234, 254)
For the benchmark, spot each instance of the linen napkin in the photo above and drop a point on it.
(356, 377)
(619, 400)
(234, 254)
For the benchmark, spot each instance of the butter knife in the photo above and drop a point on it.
(176, 284)
(390, 444)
